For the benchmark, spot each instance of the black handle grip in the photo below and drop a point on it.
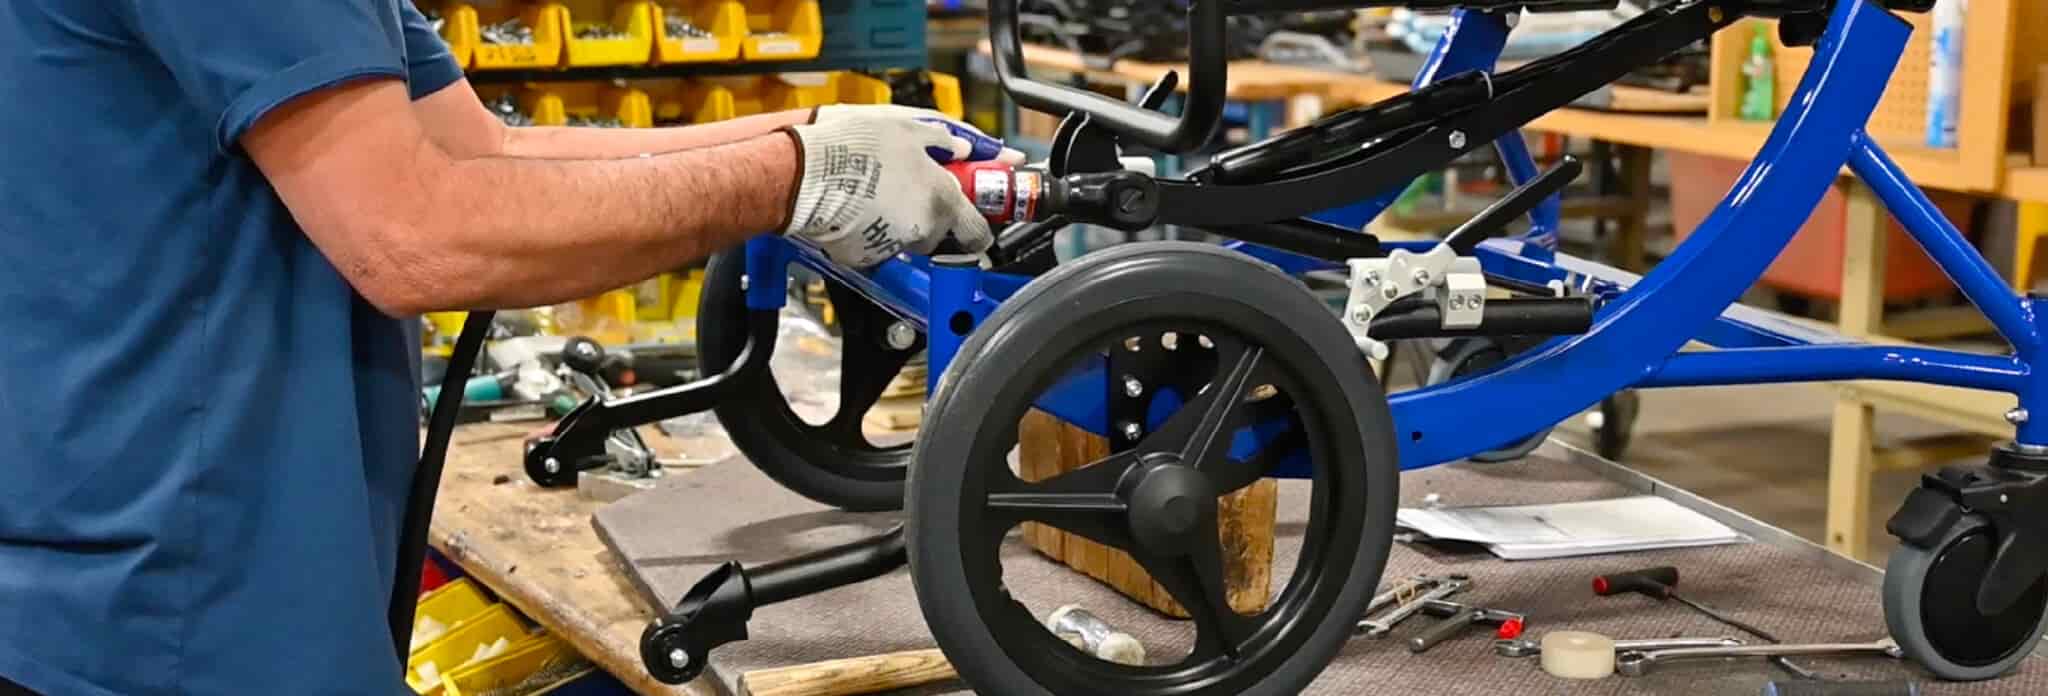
(1655, 582)
(1201, 111)
(1517, 203)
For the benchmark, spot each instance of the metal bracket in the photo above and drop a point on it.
(1455, 282)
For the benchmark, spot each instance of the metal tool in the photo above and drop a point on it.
(1661, 583)
(1411, 605)
(1524, 647)
(1095, 636)
(1459, 617)
(1637, 663)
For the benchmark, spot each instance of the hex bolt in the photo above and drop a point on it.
(1457, 140)
(1132, 431)
(1133, 387)
(1372, 278)
(901, 335)
(679, 658)
(2016, 416)
(552, 465)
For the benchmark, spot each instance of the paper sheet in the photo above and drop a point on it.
(1572, 529)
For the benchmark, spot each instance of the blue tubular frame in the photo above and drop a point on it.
(1645, 320)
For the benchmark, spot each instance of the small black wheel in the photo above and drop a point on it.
(1614, 424)
(1264, 362)
(831, 462)
(1470, 356)
(1930, 605)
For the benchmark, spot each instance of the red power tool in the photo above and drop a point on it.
(1002, 193)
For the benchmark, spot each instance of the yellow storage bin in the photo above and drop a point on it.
(458, 28)
(441, 330)
(451, 604)
(782, 30)
(601, 104)
(607, 318)
(618, 33)
(707, 31)
(946, 95)
(683, 102)
(460, 643)
(543, 47)
(536, 666)
(806, 90)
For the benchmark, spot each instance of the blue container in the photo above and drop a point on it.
(872, 34)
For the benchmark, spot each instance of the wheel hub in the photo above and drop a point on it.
(1168, 502)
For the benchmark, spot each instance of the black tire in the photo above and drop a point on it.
(1066, 313)
(1468, 356)
(1930, 606)
(832, 465)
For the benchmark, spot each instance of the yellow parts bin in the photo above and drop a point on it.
(782, 30)
(447, 607)
(458, 28)
(679, 102)
(609, 32)
(517, 35)
(946, 95)
(536, 666)
(463, 642)
(698, 31)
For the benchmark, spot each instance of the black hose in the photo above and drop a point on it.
(426, 482)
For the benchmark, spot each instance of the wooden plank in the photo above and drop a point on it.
(1929, 451)
(1851, 443)
(851, 676)
(1966, 409)
(1936, 322)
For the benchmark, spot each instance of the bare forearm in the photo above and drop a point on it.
(526, 232)
(542, 142)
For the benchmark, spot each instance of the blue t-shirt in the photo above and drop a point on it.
(208, 433)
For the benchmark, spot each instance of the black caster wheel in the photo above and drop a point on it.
(1614, 423)
(1930, 605)
(832, 462)
(1470, 356)
(1260, 355)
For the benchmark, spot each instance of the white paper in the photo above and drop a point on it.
(1572, 529)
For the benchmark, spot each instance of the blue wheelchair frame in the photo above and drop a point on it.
(1638, 332)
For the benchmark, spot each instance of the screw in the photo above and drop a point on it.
(679, 658)
(1421, 276)
(1457, 302)
(1457, 140)
(1362, 315)
(1714, 14)
(1129, 200)
(744, 283)
(2002, 498)
(2016, 416)
(1132, 431)
(1390, 291)
(1132, 387)
(1514, 18)
(552, 465)
(1372, 278)
(901, 336)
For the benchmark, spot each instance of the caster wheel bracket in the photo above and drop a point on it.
(2009, 491)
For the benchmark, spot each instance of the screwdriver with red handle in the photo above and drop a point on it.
(1661, 583)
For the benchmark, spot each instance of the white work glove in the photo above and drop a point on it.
(869, 190)
(984, 146)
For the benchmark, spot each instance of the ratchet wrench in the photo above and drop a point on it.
(1638, 663)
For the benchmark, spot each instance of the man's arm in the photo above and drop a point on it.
(419, 223)
(460, 124)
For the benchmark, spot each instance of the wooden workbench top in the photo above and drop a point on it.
(1250, 80)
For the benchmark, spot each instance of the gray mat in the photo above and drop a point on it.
(672, 536)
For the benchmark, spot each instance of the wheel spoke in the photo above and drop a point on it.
(1083, 501)
(866, 364)
(1200, 432)
(1195, 580)
(1232, 475)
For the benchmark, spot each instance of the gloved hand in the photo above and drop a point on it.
(984, 147)
(869, 190)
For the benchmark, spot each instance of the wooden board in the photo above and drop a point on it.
(1048, 446)
(536, 549)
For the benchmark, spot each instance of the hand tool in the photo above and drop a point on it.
(1660, 583)
(1378, 628)
(1828, 688)
(1523, 647)
(1095, 636)
(1638, 663)
(1458, 617)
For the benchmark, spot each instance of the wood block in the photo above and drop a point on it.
(1048, 446)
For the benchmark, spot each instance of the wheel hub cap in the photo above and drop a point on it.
(1167, 505)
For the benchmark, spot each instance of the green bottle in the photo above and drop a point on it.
(1759, 96)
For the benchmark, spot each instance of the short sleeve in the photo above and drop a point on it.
(240, 59)
(429, 65)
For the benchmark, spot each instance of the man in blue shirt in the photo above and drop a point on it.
(215, 220)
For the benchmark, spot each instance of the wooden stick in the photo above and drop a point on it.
(850, 676)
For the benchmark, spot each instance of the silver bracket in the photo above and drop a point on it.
(1456, 283)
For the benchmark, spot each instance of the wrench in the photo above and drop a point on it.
(1638, 663)
(1378, 628)
(1524, 647)
(1406, 588)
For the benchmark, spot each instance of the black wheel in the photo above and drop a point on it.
(1614, 424)
(1930, 605)
(1260, 350)
(1469, 356)
(831, 462)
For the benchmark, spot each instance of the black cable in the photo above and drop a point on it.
(426, 482)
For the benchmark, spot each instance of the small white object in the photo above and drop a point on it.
(1578, 655)
(1079, 628)
(1462, 300)
(425, 630)
(1433, 501)
(429, 672)
(1557, 530)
